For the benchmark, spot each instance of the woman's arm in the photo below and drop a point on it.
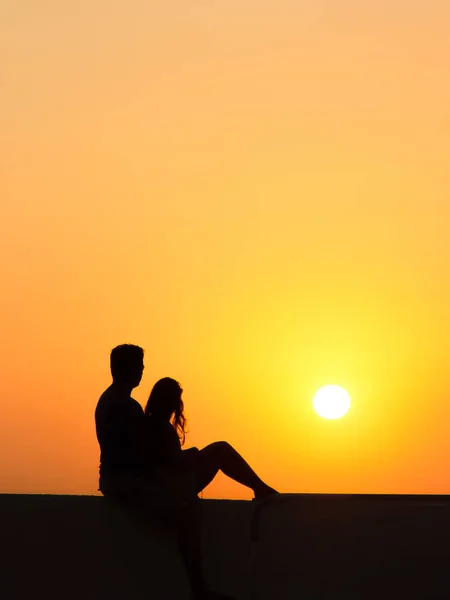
(190, 451)
(189, 457)
(164, 445)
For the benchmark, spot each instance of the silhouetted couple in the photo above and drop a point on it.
(143, 466)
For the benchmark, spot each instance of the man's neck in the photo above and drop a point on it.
(124, 389)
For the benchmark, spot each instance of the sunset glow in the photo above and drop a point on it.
(255, 193)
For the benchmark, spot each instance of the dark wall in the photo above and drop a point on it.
(353, 547)
(302, 546)
(81, 548)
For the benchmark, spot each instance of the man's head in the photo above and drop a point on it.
(127, 364)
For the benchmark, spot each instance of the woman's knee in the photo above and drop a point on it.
(221, 447)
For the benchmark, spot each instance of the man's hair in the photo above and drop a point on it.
(125, 358)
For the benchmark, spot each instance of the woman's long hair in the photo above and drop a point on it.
(165, 402)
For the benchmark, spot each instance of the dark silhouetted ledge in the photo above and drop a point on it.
(302, 546)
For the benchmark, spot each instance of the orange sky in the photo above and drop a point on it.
(255, 192)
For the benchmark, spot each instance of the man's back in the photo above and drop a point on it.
(120, 427)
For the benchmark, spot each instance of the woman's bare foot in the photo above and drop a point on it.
(264, 492)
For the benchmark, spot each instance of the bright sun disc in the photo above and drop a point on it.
(331, 402)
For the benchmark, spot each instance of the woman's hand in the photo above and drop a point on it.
(189, 456)
(191, 450)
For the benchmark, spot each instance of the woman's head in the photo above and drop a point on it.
(165, 403)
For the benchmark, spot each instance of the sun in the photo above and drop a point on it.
(331, 402)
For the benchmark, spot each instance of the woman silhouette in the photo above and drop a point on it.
(193, 469)
(183, 474)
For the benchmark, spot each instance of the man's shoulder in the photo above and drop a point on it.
(108, 399)
(113, 401)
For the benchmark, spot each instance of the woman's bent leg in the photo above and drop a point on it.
(222, 456)
(189, 544)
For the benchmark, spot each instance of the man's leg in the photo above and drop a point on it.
(162, 497)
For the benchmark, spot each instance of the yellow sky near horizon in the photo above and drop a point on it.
(256, 193)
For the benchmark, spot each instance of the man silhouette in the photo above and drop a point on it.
(126, 470)
(120, 423)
